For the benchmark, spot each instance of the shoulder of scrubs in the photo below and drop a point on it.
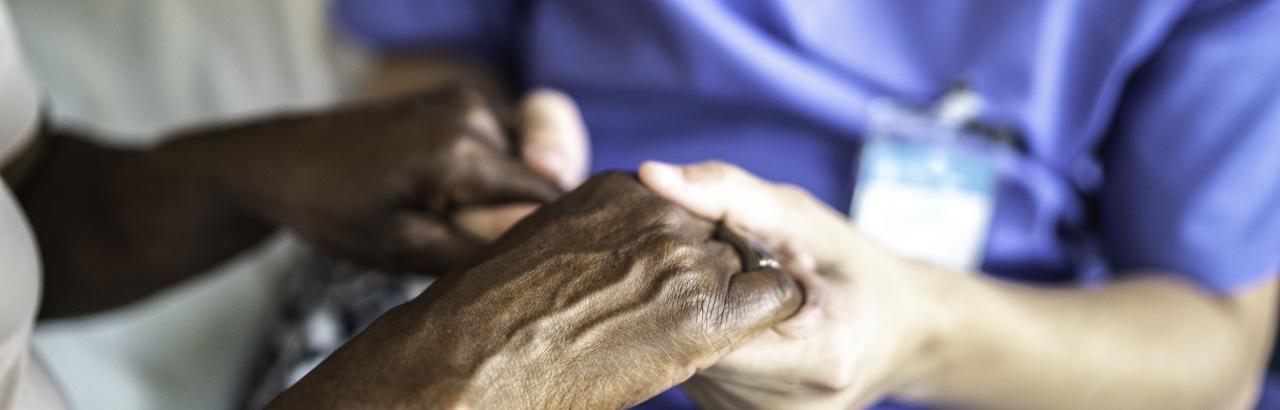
(1193, 158)
(480, 27)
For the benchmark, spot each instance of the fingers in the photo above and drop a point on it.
(553, 138)
(553, 144)
(494, 178)
(479, 118)
(488, 223)
(424, 243)
(717, 191)
(759, 299)
(780, 216)
(458, 104)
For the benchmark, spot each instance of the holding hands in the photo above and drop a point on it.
(599, 300)
(860, 334)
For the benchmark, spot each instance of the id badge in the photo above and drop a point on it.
(924, 190)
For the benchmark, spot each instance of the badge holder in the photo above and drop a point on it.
(925, 186)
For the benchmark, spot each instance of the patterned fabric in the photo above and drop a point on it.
(326, 302)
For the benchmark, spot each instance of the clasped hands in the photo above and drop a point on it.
(613, 292)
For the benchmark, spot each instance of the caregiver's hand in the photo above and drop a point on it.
(599, 300)
(861, 332)
(379, 183)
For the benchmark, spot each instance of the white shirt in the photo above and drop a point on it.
(128, 72)
(24, 384)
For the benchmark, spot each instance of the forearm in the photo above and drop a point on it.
(1146, 343)
(399, 360)
(114, 224)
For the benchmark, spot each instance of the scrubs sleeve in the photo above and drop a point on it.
(1193, 162)
(480, 27)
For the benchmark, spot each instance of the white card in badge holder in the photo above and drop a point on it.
(924, 189)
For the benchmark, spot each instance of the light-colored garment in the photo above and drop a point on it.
(133, 70)
(23, 381)
(130, 72)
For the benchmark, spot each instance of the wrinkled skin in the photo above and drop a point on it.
(386, 202)
(599, 300)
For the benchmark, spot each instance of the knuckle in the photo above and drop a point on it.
(678, 255)
(683, 259)
(670, 247)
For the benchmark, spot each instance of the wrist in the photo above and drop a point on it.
(229, 164)
(469, 364)
(410, 357)
(944, 298)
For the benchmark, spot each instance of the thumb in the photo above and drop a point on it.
(490, 222)
(723, 192)
(498, 179)
(418, 242)
(553, 138)
(780, 216)
(759, 299)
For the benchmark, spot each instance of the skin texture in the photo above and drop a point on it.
(381, 183)
(599, 300)
(875, 325)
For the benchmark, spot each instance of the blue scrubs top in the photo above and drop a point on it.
(1152, 128)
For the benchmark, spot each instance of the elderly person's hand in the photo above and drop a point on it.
(599, 300)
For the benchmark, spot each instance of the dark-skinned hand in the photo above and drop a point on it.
(417, 184)
(375, 183)
(601, 299)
